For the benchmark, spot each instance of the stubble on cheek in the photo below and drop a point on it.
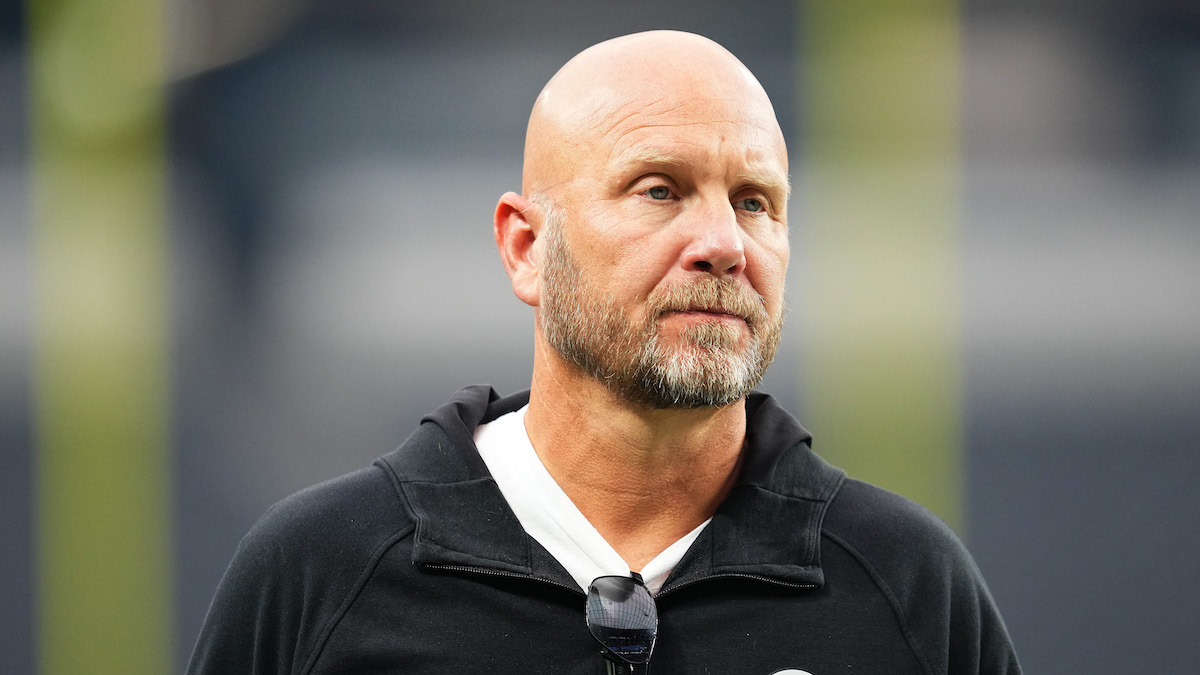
(700, 363)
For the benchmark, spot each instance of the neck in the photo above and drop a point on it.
(642, 477)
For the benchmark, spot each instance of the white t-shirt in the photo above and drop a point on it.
(550, 517)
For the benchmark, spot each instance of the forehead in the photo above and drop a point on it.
(717, 134)
(626, 124)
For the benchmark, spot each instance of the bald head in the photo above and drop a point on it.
(654, 169)
(635, 82)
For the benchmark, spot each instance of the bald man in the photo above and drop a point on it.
(639, 507)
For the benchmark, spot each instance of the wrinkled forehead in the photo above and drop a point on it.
(618, 118)
(715, 133)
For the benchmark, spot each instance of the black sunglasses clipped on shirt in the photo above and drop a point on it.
(623, 618)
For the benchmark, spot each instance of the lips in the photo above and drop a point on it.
(716, 312)
(710, 297)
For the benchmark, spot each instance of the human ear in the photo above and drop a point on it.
(515, 237)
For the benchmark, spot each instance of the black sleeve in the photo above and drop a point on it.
(941, 601)
(295, 573)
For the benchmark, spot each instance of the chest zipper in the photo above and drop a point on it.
(575, 589)
(736, 575)
(496, 573)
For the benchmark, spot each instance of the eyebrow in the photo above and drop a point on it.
(765, 180)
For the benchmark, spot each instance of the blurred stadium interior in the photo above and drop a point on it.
(300, 217)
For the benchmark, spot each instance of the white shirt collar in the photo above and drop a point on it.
(549, 516)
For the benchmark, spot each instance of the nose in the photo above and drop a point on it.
(715, 243)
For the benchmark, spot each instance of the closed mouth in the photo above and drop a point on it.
(715, 312)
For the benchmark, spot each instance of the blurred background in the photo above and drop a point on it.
(246, 246)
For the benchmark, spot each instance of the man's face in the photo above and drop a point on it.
(706, 363)
(663, 277)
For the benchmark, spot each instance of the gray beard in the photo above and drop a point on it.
(708, 370)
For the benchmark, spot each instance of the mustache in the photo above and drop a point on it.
(710, 294)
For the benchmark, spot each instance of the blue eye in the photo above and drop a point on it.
(659, 192)
(753, 205)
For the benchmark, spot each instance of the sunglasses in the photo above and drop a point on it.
(623, 618)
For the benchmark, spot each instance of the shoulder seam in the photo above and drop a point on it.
(352, 595)
(886, 590)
